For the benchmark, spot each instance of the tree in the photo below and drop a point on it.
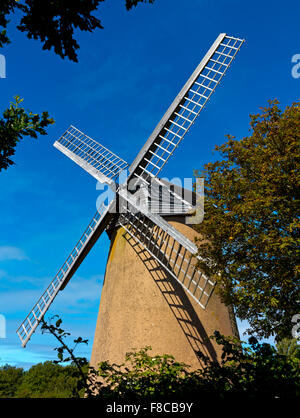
(53, 23)
(15, 124)
(66, 354)
(289, 347)
(10, 379)
(249, 371)
(143, 375)
(49, 380)
(251, 222)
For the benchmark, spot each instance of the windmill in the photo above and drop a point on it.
(144, 229)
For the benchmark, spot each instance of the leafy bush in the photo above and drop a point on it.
(10, 379)
(253, 371)
(249, 371)
(49, 380)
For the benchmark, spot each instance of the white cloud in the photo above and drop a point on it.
(17, 356)
(12, 253)
(78, 295)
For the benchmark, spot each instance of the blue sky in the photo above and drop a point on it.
(127, 75)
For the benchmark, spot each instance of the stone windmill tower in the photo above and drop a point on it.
(152, 293)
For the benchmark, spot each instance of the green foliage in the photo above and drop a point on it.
(49, 380)
(253, 371)
(249, 371)
(142, 375)
(7, 6)
(289, 347)
(60, 335)
(43, 380)
(131, 3)
(10, 380)
(16, 123)
(54, 22)
(251, 221)
(66, 354)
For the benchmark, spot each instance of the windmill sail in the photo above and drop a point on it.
(173, 251)
(93, 157)
(185, 109)
(95, 228)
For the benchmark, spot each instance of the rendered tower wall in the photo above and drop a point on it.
(141, 306)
